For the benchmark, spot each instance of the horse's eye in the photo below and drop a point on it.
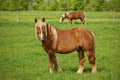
(38, 30)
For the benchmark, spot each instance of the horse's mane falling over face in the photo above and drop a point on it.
(41, 29)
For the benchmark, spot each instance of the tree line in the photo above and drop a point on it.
(60, 5)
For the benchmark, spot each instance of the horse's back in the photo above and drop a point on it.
(69, 40)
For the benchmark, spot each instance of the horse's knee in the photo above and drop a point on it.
(92, 59)
(82, 61)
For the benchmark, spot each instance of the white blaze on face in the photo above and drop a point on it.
(41, 34)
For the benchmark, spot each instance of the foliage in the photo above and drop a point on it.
(60, 5)
(114, 5)
(54, 6)
(96, 5)
(77, 5)
(64, 5)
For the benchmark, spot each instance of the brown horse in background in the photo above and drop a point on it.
(66, 41)
(73, 15)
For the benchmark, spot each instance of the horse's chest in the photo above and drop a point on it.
(48, 46)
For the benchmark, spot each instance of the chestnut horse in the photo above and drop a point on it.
(65, 41)
(73, 15)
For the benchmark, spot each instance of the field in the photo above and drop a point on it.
(22, 57)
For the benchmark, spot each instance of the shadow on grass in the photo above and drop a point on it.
(77, 23)
(87, 70)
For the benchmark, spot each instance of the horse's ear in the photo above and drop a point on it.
(43, 19)
(36, 20)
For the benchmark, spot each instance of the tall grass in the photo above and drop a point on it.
(22, 57)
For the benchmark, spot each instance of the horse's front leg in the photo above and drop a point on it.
(52, 62)
(82, 60)
(70, 21)
(82, 20)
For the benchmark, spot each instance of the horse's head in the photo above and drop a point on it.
(62, 18)
(41, 29)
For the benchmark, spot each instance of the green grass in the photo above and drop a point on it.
(22, 57)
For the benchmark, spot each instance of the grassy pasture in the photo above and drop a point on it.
(22, 57)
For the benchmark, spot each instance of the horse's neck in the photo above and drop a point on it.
(51, 41)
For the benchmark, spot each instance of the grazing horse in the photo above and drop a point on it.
(73, 15)
(65, 41)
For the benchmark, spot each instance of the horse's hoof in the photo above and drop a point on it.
(60, 70)
(94, 71)
(80, 71)
(51, 71)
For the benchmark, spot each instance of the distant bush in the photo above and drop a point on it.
(60, 5)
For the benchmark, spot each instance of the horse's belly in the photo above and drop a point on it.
(66, 48)
(63, 51)
(68, 41)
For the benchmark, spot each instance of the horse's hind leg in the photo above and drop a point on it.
(81, 60)
(91, 57)
(52, 62)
